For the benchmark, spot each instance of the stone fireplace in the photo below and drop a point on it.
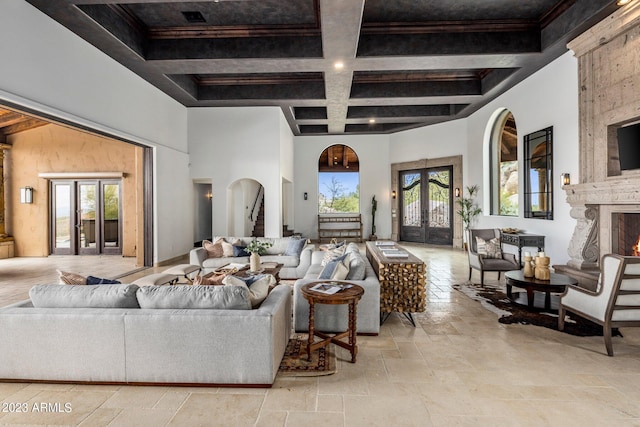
(606, 201)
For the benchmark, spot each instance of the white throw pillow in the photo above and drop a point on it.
(258, 290)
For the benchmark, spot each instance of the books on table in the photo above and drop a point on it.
(330, 288)
(385, 243)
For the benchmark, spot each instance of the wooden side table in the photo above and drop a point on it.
(349, 296)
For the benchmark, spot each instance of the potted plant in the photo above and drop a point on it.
(469, 210)
(256, 249)
(374, 208)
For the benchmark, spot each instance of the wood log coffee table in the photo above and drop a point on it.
(349, 296)
(556, 284)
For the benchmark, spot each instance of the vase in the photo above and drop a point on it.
(528, 267)
(254, 262)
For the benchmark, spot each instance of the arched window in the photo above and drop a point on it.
(504, 165)
(338, 180)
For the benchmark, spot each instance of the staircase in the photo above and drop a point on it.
(258, 225)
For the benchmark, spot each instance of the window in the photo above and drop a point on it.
(504, 166)
(338, 180)
(538, 185)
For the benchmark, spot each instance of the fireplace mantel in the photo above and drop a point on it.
(620, 191)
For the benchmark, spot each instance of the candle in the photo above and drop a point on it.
(541, 254)
(527, 253)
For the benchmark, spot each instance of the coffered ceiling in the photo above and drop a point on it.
(333, 66)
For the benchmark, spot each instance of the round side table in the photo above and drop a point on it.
(349, 296)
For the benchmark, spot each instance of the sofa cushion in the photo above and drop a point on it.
(214, 250)
(288, 261)
(80, 296)
(67, 278)
(198, 297)
(357, 267)
(258, 289)
(227, 249)
(294, 247)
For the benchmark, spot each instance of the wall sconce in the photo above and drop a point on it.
(566, 179)
(457, 191)
(393, 194)
(26, 195)
(209, 195)
(305, 195)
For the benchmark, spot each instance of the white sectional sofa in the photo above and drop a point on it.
(98, 334)
(334, 317)
(295, 265)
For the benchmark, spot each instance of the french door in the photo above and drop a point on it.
(86, 217)
(426, 205)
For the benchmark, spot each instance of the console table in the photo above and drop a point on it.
(402, 281)
(521, 240)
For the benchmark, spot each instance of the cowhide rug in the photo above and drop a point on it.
(496, 300)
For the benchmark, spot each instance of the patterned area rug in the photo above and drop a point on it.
(496, 300)
(295, 363)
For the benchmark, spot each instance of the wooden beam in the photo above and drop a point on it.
(345, 157)
(330, 157)
(23, 126)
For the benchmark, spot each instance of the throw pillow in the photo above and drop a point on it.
(489, 249)
(294, 247)
(67, 278)
(92, 280)
(239, 250)
(329, 269)
(357, 267)
(227, 248)
(214, 250)
(341, 272)
(332, 253)
(258, 290)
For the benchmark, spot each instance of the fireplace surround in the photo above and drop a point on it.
(609, 98)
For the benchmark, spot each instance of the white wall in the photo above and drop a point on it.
(548, 98)
(232, 143)
(375, 179)
(53, 71)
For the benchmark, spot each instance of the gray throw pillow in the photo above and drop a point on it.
(328, 270)
(294, 247)
(81, 296)
(357, 267)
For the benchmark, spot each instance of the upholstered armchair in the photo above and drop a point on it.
(615, 302)
(490, 257)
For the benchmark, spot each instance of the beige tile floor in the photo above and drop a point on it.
(459, 367)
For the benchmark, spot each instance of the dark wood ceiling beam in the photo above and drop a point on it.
(416, 76)
(478, 26)
(399, 111)
(415, 89)
(213, 32)
(120, 24)
(280, 92)
(295, 78)
(330, 156)
(448, 43)
(345, 157)
(273, 47)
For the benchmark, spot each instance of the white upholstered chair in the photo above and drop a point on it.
(506, 262)
(615, 302)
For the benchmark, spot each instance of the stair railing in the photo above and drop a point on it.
(255, 203)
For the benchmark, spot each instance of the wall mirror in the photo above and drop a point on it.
(538, 172)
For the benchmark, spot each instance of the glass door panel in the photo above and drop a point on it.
(88, 215)
(412, 229)
(439, 230)
(62, 218)
(111, 217)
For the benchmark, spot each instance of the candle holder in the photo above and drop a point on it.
(528, 266)
(541, 270)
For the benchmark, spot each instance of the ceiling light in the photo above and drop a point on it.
(623, 2)
(338, 65)
(372, 121)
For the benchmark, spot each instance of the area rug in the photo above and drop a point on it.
(496, 300)
(295, 363)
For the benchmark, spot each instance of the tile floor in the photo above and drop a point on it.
(459, 367)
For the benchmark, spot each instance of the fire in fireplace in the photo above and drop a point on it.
(625, 233)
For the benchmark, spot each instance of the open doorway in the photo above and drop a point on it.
(203, 208)
(114, 176)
